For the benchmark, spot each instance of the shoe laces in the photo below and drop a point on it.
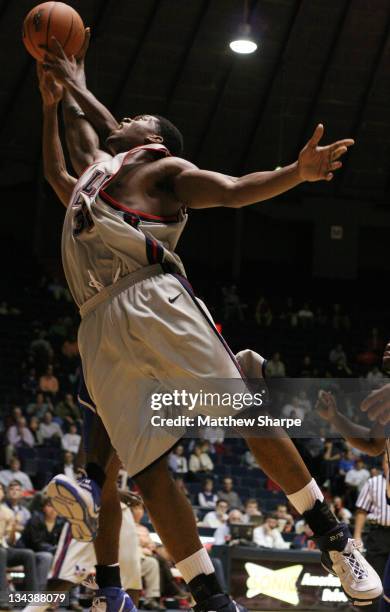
(349, 554)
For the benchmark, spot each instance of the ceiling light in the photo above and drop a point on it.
(243, 42)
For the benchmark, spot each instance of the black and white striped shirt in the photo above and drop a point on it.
(372, 499)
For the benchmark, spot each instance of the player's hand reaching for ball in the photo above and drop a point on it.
(66, 69)
(316, 163)
(51, 91)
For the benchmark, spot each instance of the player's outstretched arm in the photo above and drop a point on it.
(53, 157)
(67, 72)
(368, 440)
(202, 189)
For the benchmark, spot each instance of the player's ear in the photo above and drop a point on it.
(155, 138)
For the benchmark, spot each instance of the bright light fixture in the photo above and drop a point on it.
(243, 43)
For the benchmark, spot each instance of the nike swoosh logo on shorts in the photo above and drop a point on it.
(171, 300)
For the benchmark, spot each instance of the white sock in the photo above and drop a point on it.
(198, 563)
(305, 499)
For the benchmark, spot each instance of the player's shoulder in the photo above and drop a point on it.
(170, 166)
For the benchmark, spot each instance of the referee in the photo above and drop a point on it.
(372, 506)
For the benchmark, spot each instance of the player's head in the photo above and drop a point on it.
(145, 129)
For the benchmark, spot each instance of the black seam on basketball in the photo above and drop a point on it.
(68, 37)
(32, 43)
(48, 25)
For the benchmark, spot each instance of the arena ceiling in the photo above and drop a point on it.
(318, 60)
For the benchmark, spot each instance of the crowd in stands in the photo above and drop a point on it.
(40, 429)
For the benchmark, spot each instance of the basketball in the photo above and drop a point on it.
(52, 19)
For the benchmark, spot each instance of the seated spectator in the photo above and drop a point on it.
(252, 512)
(39, 407)
(343, 514)
(41, 535)
(216, 517)
(11, 556)
(207, 498)
(275, 367)
(284, 518)
(49, 430)
(68, 466)
(30, 383)
(18, 436)
(222, 534)
(336, 353)
(48, 383)
(229, 495)
(200, 461)
(67, 410)
(71, 441)
(34, 428)
(347, 462)
(304, 539)
(357, 476)
(293, 409)
(263, 313)
(268, 534)
(14, 501)
(306, 316)
(15, 473)
(177, 461)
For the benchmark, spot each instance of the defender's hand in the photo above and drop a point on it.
(51, 91)
(326, 406)
(317, 163)
(377, 405)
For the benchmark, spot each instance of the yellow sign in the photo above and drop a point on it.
(280, 584)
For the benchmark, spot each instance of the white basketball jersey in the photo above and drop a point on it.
(104, 240)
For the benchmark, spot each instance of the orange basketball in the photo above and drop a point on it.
(52, 19)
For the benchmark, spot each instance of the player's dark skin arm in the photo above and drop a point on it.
(69, 74)
(53, 157)
(368, 440)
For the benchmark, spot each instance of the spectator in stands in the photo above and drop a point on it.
(284, 518)
(347, 462)
(306, 370)
(233, 308)
(252, 512)
(304, 539)
(263, 313)
(200, 461)
(11, 556)
(332, 456)
(375, 376)
(68, 465)
(41, 535)
(343, 514)
(49, 430)
(304, 401)
(268, 534)
(39, 407)
(339, 319)
(216, 517)
(306, 316)
(275, 367)
(207, 498)
(16, 413)
(177, 461)
(357, 476)
(15, 473)
(222, 534)
(336, 353)
(18, 436)
(68, 411)
(14, 502)
(48, 383)
(41, 351)
(229, 495)
(71, 441)
(34, 428)
(30, 383)
(250, 460)
(293, 409)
